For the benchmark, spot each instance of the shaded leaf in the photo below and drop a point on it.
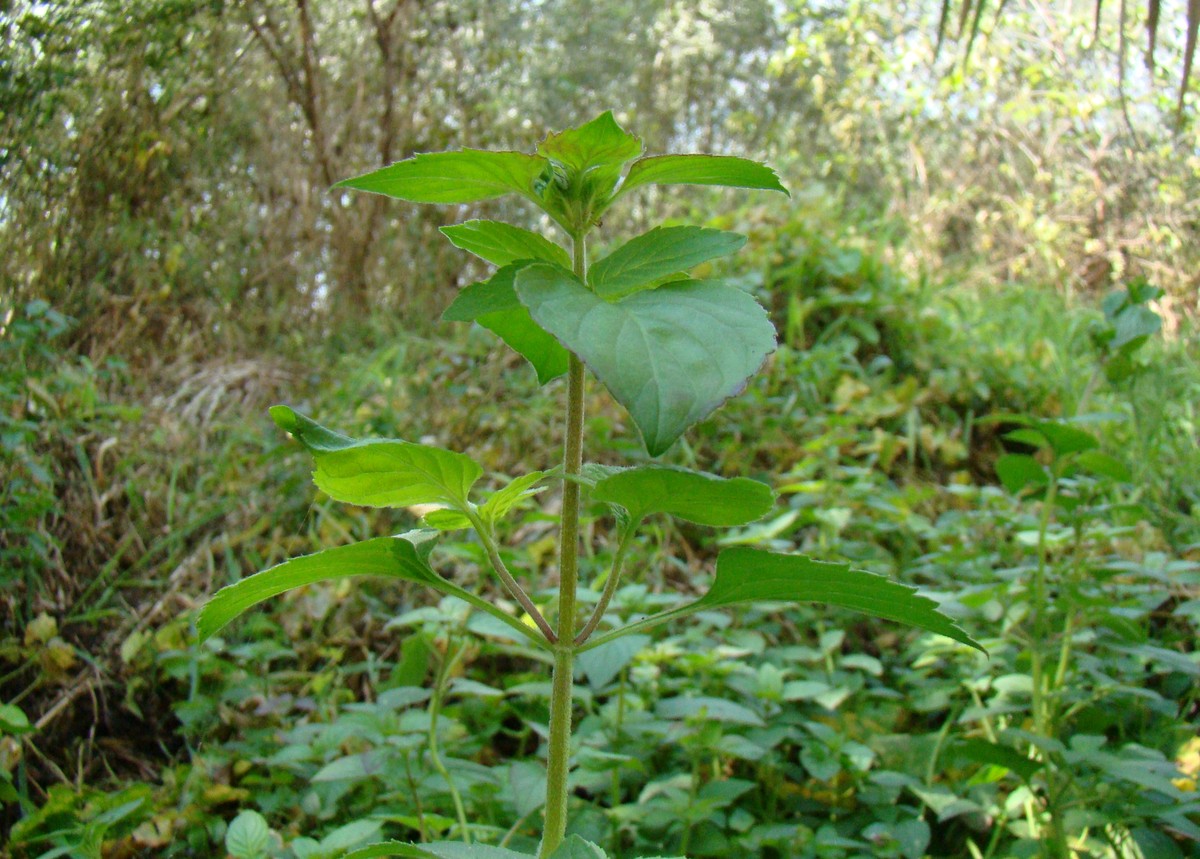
(605, 663)
(694, 496)
(394, 557)
(1018, 471)
(493, 303)
(752, 575)
(575, 847)
(248, 836)
(501, 244)
(670, 356)
(453, 177)
(661, 252)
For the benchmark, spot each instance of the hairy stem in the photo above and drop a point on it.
(559, 753)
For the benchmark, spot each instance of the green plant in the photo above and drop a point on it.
(669, 348)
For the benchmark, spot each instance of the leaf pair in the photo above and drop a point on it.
(574, 177)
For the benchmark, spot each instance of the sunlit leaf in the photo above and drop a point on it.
(453, 177)
(670, 356)
(1018, 471)
(694, 496)
(599, 143)
(701, 170)
(661, 252)
(381, 473)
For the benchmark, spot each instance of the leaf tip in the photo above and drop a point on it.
(284, 418)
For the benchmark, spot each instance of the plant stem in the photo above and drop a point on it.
(610, 586)
(514, 589)
(435, 708)
(559, 752)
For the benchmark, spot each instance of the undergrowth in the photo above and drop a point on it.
(787, 735)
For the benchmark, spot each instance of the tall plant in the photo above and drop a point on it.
(669, 348)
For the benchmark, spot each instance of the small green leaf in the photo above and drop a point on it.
(670, 356)
(395, 557)
(605, 663)
(248, 836)
(576, 848)
(984, 752)
(662, 252)
(494, 508)
(458, 850)
(752, 575)
(355, 767)
(384, 472)
(13, 720)
(1017, 471)
(493, 303)
(693, 496)
(453, 177)
(1103, 465)
(1066, 439)
(701, 170)
(1132, 327)
(501, 244)
(708, 708)
(599, 143)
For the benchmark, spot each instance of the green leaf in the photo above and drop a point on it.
(13, 720)
(670, 356)
(1103, 465)
(708, 708)
(458, 850)
(752, 575)
(599, 143)
(576, 848)
(396, 557)
(693, 496)
(493, 303)
(985, 752)
(1066, 439)
(662, 252)
(1017, 471)
(248, 836)
(501, 244)
(605, 663)
(381, 473)
(701, 170)
(1132, 327)
(355, 767)
(453, 177)
(390, 848)
(494, 508)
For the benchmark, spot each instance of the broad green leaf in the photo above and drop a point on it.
(13, 720)
(694, 496)
(701, 170)
(670, 356)
(390, 848)
(1018, 471)
(453, 177)
(354, 767)
(1065, 439)
(248, 836)
(493, 303)
(575, 847)
(458, 850)
(394, 557)
(599, 143)
(349, 835)
(662, 252)
(1103, 465)
(603, 664)
(752, 575)
(381, 473)
(501, 244)
(985, 752)
(711, 709)
(1132, 327)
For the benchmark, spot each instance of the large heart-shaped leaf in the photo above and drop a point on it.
(694, 496)
(493, 303)
(381, 473)
(752, 575)
(670, 355)
(661, 252)
(453, 177)
(500, 243)
(701, 170)
(394, 557)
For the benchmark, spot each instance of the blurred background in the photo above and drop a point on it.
(968, 184)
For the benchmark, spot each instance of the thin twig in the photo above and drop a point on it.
(610, 586)
(514, 588)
